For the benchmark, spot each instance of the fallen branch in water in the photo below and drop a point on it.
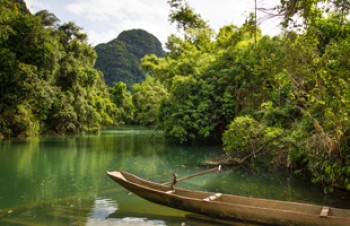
(238, 161)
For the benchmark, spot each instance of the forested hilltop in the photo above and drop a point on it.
(119, 59)
(282, 99)
(47, 79)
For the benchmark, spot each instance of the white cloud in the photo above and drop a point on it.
(110, 10)
(104, 20)
(116, 16)
(101, 37)
(36, 5)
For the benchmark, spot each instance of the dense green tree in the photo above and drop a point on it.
(328, 29)
(329, 101)
(146, 99)
(185, 115)
(86, 97)
(185, 17)
(309, 10)
(48, 19)
(122, 98)
(26, 95)
(199, 75)
(305, 106)
(47, 80)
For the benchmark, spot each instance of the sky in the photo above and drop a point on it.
(104, 20)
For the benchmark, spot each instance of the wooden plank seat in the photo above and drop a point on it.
(213, 197)
(325, 211)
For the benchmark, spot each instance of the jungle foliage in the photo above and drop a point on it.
(47, 79)
(287, 97)
(283, 98)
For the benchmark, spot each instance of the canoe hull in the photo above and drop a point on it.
(232, 207)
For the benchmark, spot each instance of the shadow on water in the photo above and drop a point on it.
(60, 180)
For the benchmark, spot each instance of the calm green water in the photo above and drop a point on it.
(61, 181)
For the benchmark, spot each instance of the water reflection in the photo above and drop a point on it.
(127, 221)
(60, 180)
(102, 210)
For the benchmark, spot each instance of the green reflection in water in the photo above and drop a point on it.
(60, 180)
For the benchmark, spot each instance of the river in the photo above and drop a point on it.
(60, 180)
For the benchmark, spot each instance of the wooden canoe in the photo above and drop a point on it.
(233, 207)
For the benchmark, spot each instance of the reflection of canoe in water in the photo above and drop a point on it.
(231, 206)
